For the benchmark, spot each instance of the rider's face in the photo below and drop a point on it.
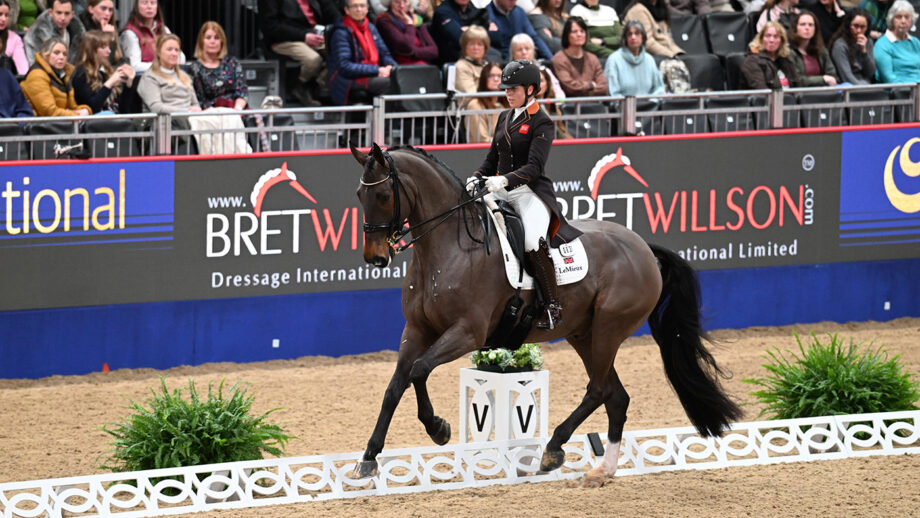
(515, 96)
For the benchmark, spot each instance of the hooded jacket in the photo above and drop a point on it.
(50, 94)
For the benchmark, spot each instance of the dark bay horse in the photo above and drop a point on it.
(454, 294)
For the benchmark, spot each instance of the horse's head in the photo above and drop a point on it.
(379, 194)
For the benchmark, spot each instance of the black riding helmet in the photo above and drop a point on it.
(521, 72)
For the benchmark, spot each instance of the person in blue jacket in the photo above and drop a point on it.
(451, 19)
(359, 62)
(507, 19)
(12, 101)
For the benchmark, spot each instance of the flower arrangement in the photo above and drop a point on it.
(528, 357)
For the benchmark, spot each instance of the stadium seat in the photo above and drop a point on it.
(825, 116)
(727, 32)
(586, 128)
(752, 25)
(13, 150)
(740, 120)
(705, 71)
(732, 66)
(790, 116)
(647, 123)
(44, 149)
(418, 79)
(903, 113)
(110, 146)
(689, 34)
(878, 114)
(281, 140)
(682, 124)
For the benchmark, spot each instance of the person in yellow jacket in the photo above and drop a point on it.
(48, 86)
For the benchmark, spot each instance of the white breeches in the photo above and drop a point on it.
(533, 213)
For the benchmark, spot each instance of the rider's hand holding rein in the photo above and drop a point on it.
(496, 183)
(473, 183)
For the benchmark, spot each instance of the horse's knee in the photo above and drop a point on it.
(419, 372)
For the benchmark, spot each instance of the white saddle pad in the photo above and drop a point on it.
(569, 260)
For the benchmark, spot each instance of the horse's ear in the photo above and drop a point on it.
(359, 156)
(377, 153)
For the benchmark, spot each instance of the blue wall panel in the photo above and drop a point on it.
(167, 334)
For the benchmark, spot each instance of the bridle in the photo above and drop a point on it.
(394, 228)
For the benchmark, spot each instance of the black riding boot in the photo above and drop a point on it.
(545, 275)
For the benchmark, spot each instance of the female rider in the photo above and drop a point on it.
(514, 171)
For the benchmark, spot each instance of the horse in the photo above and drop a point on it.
(455, 292)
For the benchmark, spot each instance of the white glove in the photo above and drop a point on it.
(472, 184)
(496, 183)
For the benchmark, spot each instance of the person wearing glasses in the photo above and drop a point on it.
(359, 61)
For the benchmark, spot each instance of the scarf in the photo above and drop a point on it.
(362, 34)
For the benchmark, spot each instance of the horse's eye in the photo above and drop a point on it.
(383, 197)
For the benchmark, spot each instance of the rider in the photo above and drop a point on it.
(513, 171)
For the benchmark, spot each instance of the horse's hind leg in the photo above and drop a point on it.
(616, 406)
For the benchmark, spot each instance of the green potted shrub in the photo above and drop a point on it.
(527, 357)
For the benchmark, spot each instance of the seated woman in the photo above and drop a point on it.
(12, 43)
(99, 16)
(654, 16)
(479, 127)
(406, 35)
(139, 37)
(579, 72)
(100, 85)
(897, 53)
(547, 19)
(548, 96)
(813, 63)
(217, 77)
(830, 16)
(473, 46)
(48, 86)
(12, 102)
(522, 47)
(631, 71)
(165, 88)
(782, 11)
(851, 49)
(605, 34)
(767, 65)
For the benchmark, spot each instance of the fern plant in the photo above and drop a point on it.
(172, 431)
(834, 379)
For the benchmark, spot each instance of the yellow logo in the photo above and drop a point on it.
(908, 203)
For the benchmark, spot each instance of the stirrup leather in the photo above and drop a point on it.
(545, 275)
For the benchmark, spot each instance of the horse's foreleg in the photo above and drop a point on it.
(616, 407)
(453, 344)
(553, 456)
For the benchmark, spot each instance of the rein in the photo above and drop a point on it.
(394, 227)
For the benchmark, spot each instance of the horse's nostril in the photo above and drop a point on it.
(380, 261)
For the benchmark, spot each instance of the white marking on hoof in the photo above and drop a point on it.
(607, 468)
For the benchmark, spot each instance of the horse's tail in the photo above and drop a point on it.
(691, 369)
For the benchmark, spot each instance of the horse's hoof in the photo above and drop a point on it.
(552, 459)
(365, 469)
(593, 480)
(442, 435)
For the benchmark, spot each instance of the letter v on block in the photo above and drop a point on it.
(480, 420)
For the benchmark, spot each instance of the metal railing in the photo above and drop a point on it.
(445, 119)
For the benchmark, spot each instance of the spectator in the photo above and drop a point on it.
(878, 10)
(631, 71)
(829, 16)
(24, 12)
(605, 33)
(653, 14)
(99, 16)
(897, 53)
(48, 86)
(405, 35)
(423, 8)
(217, 77)
(813, 63)
(475, 43)
(479, 127)
(690, 7)
(12, 102)
(164, 87)
(522, 47)
(549, 95)
(579, 72)
(12, 43)
(295, 28)
(547, 19)
(851, 49)
(359, 61)
(58, 21)
(507, 20)
(450, 20)
(139, 38)
(782, 11)
(767, 65)
(98, 83)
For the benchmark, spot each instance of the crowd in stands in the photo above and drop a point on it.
(70, 57)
